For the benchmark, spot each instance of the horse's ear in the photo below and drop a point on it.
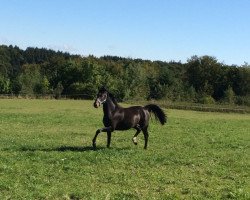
(103, 88)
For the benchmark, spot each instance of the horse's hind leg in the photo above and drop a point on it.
(145, 133)
(134, 139)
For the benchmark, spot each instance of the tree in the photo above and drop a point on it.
(206, 75)
(229, 96)
(30, 78)
(4, 85)
(42, 86)
(58, 90)
(41, 71)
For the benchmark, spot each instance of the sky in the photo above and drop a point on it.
(163, 30)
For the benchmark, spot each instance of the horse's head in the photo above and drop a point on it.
(101, 97)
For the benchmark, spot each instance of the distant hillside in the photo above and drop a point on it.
(40, 71)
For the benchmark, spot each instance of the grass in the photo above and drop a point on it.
(46, 153)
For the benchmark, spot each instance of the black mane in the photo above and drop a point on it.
(113, 98)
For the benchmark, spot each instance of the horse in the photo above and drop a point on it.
(118, 118)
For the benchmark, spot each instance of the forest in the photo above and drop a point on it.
(41, 72)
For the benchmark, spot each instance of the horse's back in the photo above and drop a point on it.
(131, 117)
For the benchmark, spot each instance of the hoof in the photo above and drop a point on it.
(94, 145)
(135, 140)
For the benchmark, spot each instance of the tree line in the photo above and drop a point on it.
(41, 72)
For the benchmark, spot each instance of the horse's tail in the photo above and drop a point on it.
(158, 112)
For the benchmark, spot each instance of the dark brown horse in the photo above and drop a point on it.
(119, 118)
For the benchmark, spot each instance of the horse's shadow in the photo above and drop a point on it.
(75, 148)
(63, 149)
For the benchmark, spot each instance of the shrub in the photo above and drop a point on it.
(58, 90)
(242, 100)
(206, 100)
(229, 96)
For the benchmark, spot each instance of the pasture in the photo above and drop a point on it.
(46, 153)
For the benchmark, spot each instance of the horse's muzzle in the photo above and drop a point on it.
(96, 104)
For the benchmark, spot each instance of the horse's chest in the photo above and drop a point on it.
(106, 121)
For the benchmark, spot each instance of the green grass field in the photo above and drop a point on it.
(46, 153)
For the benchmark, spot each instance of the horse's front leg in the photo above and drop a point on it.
(105, 129)
(108, 138)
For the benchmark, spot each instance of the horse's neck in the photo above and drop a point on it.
(108, 107)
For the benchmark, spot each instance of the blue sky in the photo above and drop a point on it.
(148, 29)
